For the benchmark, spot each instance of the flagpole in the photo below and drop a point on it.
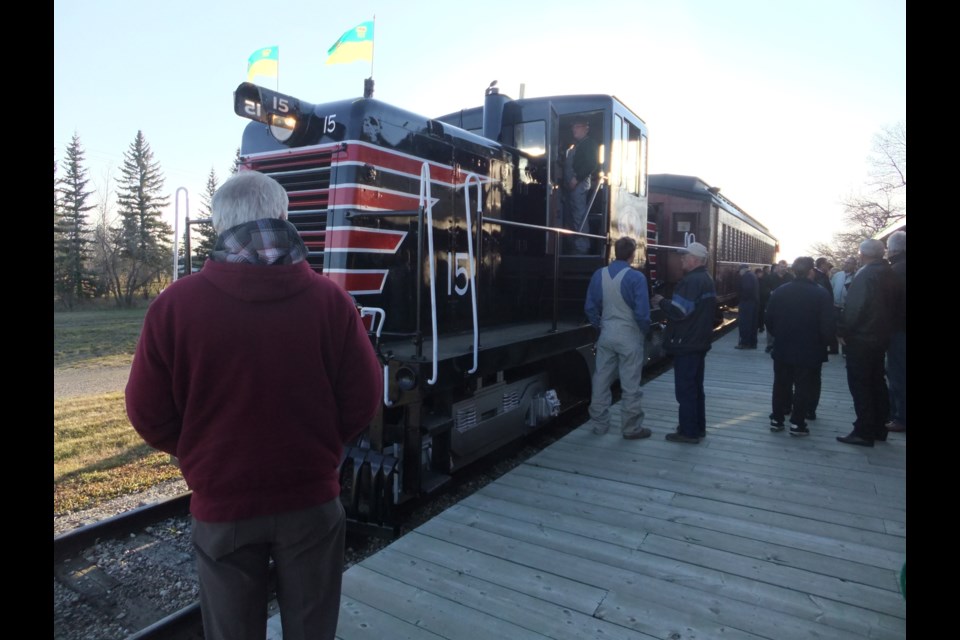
(373, 44)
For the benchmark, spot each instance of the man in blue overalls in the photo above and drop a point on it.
(618, 304)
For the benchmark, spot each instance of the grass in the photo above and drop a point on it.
(97, 455)
(95, 338)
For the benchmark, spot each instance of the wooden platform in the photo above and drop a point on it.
(749, 534)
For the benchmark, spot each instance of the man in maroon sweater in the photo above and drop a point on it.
(254, 372)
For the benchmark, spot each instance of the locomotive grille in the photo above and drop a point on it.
(467, 418)
(511, 400)
(306, 178)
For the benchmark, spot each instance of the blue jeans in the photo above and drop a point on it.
(688, 386)
(747, 323)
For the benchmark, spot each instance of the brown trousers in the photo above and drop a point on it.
(233, 568)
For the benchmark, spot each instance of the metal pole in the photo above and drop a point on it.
(187, 250)
(176, 224)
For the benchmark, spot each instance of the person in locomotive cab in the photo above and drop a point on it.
(579, 165)
(254, 372)
(690, 314)
(800, 316)
(619, 306)
(748, 294)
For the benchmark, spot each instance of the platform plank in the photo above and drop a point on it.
(749, 534)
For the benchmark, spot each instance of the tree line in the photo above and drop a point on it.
(882, 201)
(118, 247)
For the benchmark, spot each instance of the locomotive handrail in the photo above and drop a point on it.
(473, 275)
(426, 205)
(377, 311)
(353, 213)
(593, 197)
(540, 227)
(556, 253)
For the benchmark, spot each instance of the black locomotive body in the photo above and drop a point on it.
(451, 243)
(685, 209)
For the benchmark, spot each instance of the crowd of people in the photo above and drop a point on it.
(809, 310)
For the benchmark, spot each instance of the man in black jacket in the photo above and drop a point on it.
(690, 315)
(748, 295)
(866, 326)
(897, 352)
(800, 317)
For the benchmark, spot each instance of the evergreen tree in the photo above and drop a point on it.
(144, 235)
(57, 228)
(72, 232)
(205, 237)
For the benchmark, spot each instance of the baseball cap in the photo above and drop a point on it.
(695, 249)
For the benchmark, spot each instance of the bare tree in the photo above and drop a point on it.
(888, 161)
(107, 243)
(883, 200)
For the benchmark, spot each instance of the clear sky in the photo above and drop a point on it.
(775, 102)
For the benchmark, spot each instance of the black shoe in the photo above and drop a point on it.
(637, 434)
(799, 431)
(679, 437)
(853, 438)
(811, 415)
(776, 424)
(880, 436)
(703, 434)
(741, 346)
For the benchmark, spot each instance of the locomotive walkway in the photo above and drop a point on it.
(749, 534)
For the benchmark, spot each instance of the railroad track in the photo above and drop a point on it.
(161, 531)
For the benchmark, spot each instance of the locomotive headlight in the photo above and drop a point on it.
(281, 113)
(282, 127)
(406, 378)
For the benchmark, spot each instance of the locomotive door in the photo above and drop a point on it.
(554, 172)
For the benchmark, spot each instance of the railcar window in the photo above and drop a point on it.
(531, 137)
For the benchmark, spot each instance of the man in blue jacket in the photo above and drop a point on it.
(619, 306)
(690, 320)
(800, 318)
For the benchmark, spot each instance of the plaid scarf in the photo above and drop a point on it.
(264, 241)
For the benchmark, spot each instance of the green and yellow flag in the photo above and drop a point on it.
(263, 62)
(355, 44)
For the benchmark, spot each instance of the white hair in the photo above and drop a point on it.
(245, 197)
(872, 249)
(897, 243)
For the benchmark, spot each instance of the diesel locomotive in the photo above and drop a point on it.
(449, 234)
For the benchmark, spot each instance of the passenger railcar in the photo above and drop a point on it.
(685, 209)
(446, 232)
